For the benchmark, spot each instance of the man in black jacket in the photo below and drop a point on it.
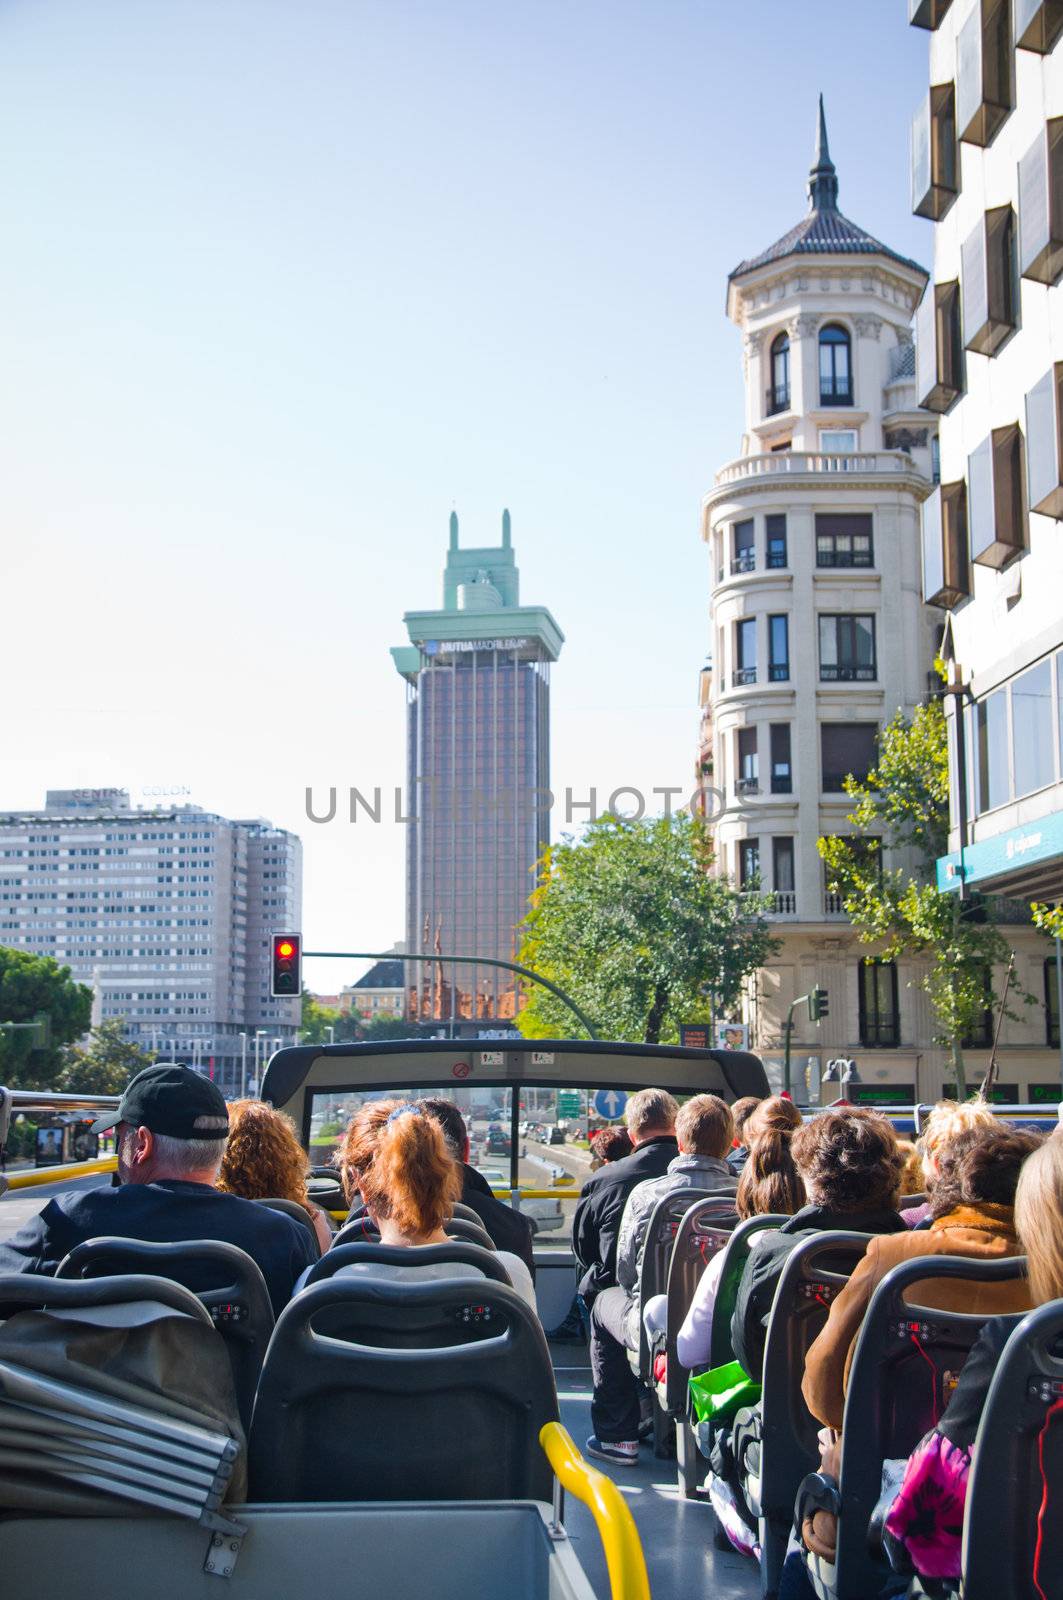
(650, 1116)
(507, 1228)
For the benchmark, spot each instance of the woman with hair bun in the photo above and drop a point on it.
(397, 1159)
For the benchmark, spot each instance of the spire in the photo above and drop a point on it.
(507, 531)
(823, 178)
(453, 530)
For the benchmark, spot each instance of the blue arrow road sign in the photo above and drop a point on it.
(610, 1103)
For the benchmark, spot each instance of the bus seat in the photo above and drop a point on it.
(339, 1420)
(292, 1208)
(472, 1232)
(358, 1230)
(222, 1277)
(906, 1360)
(466, 1213)
(704, 1230)
(367, 1251)
(1018, 1468)
(813, 1275)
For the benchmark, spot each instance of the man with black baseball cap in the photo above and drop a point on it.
(171, 1126)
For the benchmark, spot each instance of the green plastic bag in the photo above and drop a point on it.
(718, 1394)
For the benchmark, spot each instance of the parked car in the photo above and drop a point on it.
(544, 1215)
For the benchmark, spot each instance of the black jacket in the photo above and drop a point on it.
(596, 1226)
(509, 1230)
(764, 1268)
(167, 1212)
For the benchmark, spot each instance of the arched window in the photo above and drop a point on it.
(835, 367)
(779, 393)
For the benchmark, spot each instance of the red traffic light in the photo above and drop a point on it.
(285, 980)
(285, 948)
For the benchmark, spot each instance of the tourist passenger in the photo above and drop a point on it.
(851, 1168)
(396, 1156)
(973, 1199)
(264, 1160)
(609, 1144)
(650, 1117)
(741, 1111)
(704, 1132)
(770, 1184)
(927, 1515)
(171, 1126)
(507, 1228)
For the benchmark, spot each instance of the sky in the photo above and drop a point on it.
(283, 282)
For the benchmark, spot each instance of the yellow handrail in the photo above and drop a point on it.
(30, 1177)
(628, 1579)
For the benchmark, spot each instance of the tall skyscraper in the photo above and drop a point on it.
(478, 780)
(166, 914)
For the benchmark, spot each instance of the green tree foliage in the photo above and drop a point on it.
(384, 1026)
(347, 1027)
(904, 805)
(104, 1063)
(31, 987)
(316, 1021)
(632, 924)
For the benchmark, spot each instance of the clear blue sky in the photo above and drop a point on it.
(284, 281)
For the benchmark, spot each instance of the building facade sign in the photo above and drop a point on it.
(992, 858)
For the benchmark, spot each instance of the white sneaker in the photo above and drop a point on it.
(622, 1453)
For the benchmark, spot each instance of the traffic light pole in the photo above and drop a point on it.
(473, 961)
(802, 999)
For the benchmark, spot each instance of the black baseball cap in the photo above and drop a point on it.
(171, 1100)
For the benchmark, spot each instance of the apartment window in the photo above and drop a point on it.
(779, 393)
(843, 541)
(847, 750)
(935, 458)
(996, 500)
(775, 532)
(748, 863)
(782, 864)
(837, 441)
(747, 779)
(946, 569)
(743, 558)
(985, 72)
(745, 651)
(1044, 443)
(1041, 206)
(782, 781)
(980, 1036)
(778, 648)
(939, 371)
(835, 366)
(879, 1012)
(991, 751)
(1051, 1003)
(927, 13)
(1032, 724)
(935, 181)
(846, 648)
(990, 282)
(1038, 24)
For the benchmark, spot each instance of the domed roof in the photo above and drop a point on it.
(825, 231)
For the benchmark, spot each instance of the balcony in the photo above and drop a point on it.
(747, 786)
(1044, 443)
(845, 674)
(818, 463)
(777, 399)
(835, 391)
(1038, 24)
(1041, 206)
(783, 903)
(834, 904)
(744, 561)
(927, 13)
(742, 676)
(779, 672)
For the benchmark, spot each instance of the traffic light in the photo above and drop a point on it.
(818, 1005)
(285, 978)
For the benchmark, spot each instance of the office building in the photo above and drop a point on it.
(478, 780)
(166, 914)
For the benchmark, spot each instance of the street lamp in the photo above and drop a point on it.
(243, 1065)
(331, 1031)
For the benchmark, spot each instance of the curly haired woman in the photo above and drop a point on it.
(264, 1160)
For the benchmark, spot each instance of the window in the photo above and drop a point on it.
(781, 772)
(847, 648)
(996, 499)
(837, 441)
(782, 861)
(747, 772)
(879, 1017)
(1038, 24)
(990, 282)
(934, 153)
(946, 571)
(748, 863)
(1051, 1003)
(939, 371)
(1031, 729)
(935, 458)
(743, 558)
(927, 13)
(1041, 205)
(775, 530)
(779, 393)
(848, 749)
(991, 751)
(778, 648)
(835, 367)
(985, 82)
(1044, 443)
(745, 651)
(843, 541)
(980, 1036)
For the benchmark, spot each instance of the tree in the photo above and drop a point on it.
(35, 987)
(631, 922)
(316, 1020)
(384, 1026)
(904, 805)
(104, 1063)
